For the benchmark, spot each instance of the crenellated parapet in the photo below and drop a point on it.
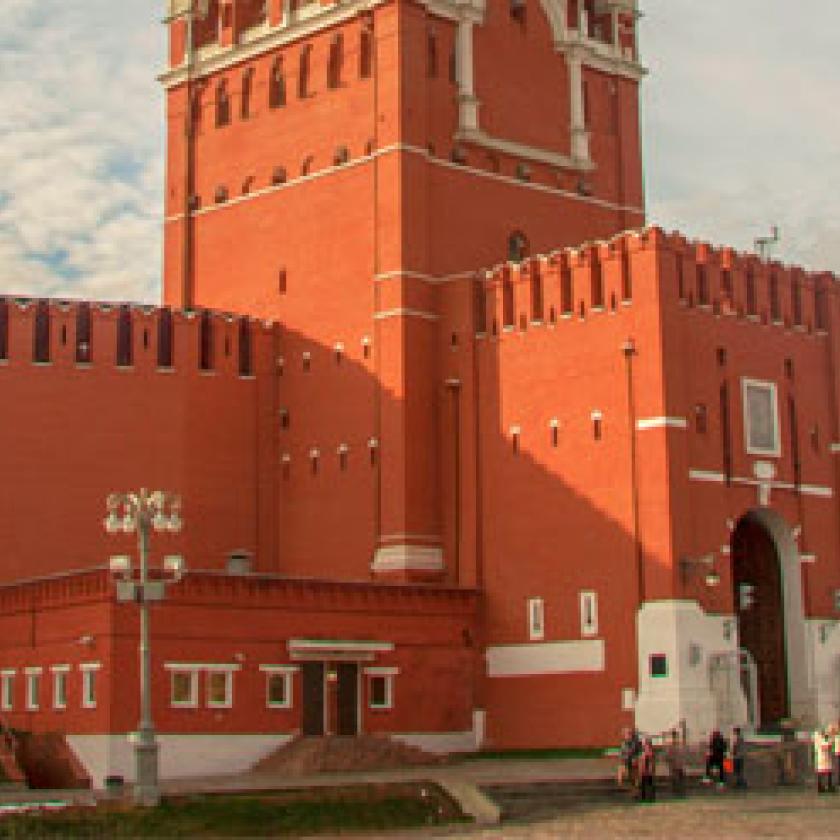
(607, 276)
(82, 334)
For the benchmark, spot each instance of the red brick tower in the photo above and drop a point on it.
(344, 168)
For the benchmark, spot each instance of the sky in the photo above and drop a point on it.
(740, 121)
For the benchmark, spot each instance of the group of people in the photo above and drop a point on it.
(638, 757)
(827, 758)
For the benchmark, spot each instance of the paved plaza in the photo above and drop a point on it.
(783, 814)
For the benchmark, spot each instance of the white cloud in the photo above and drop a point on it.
(741, 132)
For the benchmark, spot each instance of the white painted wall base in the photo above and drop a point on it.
(438, 743)
(180, 755)
(689, 638)
(823, 639)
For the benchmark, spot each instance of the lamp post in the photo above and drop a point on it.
(141, 513)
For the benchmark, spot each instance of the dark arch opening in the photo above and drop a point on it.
(759, 608)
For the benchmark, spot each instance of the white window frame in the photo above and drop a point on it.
(7, 689)
(536, 619)
(286, 672)
(227, 702)
(588, 604)
(89, 670)
(59, 673)
(33, 702)
(386, 674)
(192, 701)
(772, 388)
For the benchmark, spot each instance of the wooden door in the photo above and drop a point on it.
(348, 699)
(313, 699)
(761, 624)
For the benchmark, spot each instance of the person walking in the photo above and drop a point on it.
(737, 752)
(675, 756)
(715, 757)
(647, 772)
(823, 760)
(836, 756)
(629, 751)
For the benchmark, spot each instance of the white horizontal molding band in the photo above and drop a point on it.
(403, 147)
(422, 277)
(544, 658)
(345, 645)
(202, 666)
(834, 448)
(402, 558)
(279, 669)
(521, 150)
(383, 671)
(661, 423)
(403, 312)
(720, 478)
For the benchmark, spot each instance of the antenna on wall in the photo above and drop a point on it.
(764, 244)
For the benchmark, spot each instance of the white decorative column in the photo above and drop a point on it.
(467, 102)
(580, 133)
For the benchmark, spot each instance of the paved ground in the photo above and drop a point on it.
(786, 814)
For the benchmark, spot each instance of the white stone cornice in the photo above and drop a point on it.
(520, 150)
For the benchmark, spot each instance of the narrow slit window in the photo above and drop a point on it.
(41, 350)
(303, 71)
(796, 301)
(124, 338)
(366, 54)
(335, 62)
(626, 277)
(4, 329)
(597, 283)
(205, 340)
(775, 300)
(83, 334)
(508, 315)
(247, 90)
(432, 55)
(588, 614)
(566, 291)
(246, 362)
(536, 619)
(222, 105)
(277, 86)
(536, 294)
(702, 288)
(479, 306)
(752, 302)
(165, 339)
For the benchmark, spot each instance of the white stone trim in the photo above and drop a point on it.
(541, 658)
(90, 666)
(279, 669)
(407, 148)
(661, 423)
(8, 672)
(89, 687)
(33, 670)
(404, 312)
(520, 150)
(344, 645)
(834, 448)
(59, 669)
(382, 671)
(536, 619)
(202, 666)
(7, 689)
(773, 390)
(719, 478)
(407, 557)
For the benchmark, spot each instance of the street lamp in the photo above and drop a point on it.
(142, 513)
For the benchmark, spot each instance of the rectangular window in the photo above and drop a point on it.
(278, 690)
(184, 689)
(381, 687)
(60, 687)
(33, 689)
(220, 689)
(658, 665)
(588, 614)
(536, 619)
(7, 690)
(89, 685)
(761, 418)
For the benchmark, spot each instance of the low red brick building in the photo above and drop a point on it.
(523, 506)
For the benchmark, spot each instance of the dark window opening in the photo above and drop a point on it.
(284, 418)
(566, 296)
(247, 88)
(205, 341)
(307, 362)
(227, 346)
(366, 54)
(536, 294)
(479, 306)
(702, 286)
(303, 72)
(278, 176)
(721, 356)
(41, 349)
(145, 339)
(164, 343)
(659, 665)
(555, 435)
(277, 86)
(626, 277)
(752, 301)
(552, 315)
(125, 355)
(796, 302)
(306, 166)
(789, 368)
(508, 315)
(820, 309)
(222, 105)
(815, 439)
(518, 11)
(597, 282)
(597, 428)
(246, 362)
(342, 156)
(342, 459)
(281, 281)
(64, 335)
(726, 282)
(453, 67)
(775, 302)
(523, 322)
(335, 62)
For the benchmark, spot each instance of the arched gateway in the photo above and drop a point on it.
(767, 592)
